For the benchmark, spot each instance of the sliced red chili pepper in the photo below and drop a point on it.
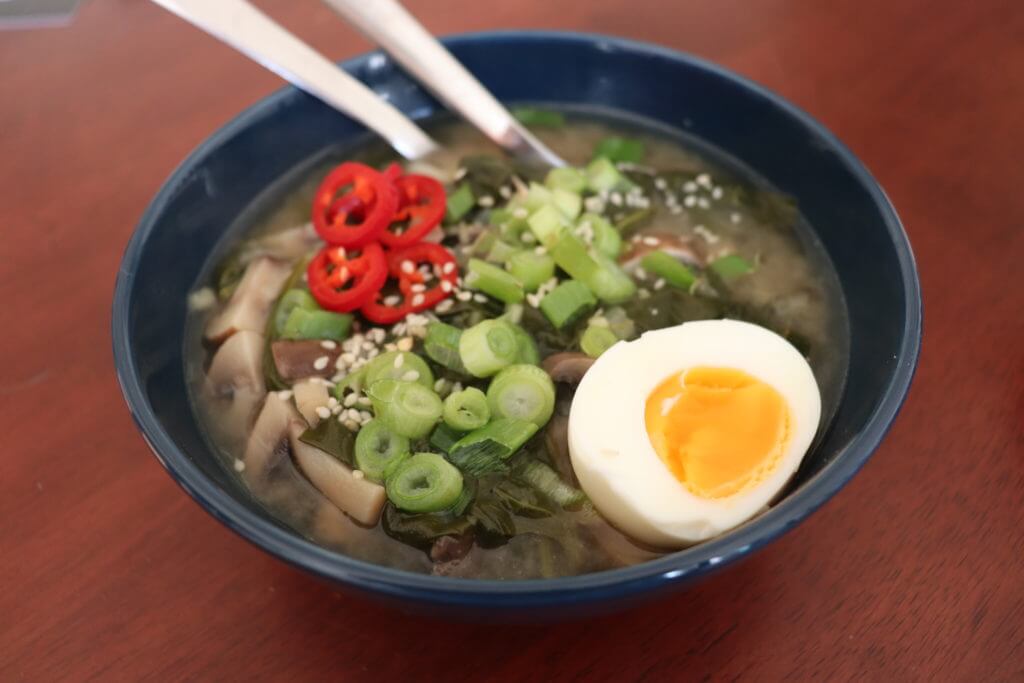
(353, 205)
(343, 279)
(403, 267)
(393, 171)
(421, 205)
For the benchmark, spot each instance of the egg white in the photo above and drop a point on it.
(611, 452)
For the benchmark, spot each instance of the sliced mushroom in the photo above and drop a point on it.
(568, 366)
(680, 246)
(297, 359)
(451, 548)
(234, 384)
(556, 439)
(360, 498)
(249, 307)
(286, 245)
(268, 440)
(309, 396)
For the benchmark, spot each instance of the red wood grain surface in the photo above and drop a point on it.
(915, 571)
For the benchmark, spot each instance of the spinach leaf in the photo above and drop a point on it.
(422, 529)
(523, 500)
(331, 437)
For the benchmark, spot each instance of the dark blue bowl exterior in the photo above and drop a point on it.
(855, 221)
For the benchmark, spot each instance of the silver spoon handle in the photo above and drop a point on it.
(390, 25)
(250, 31)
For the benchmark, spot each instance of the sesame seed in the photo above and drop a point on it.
(332, 402)
(239, 465)
(651, 241)
(505, 192)
(336, 410)
(659, 283)
(328, 344)
(654, 311)
(616, 198)
(704, 179)
(351, 425)
(674, 210)
(392, 300)
(480, 298)
(486, 201)
(528, 238)
(641, 274)
(735, 217)
(323, 411)
(446, 286)
(410, 376)
(321, 363)
(642, 293)
(364, 401)
(284, 395)
(689, 201)
(340, 252)
(365, 416)
(405, 344)
(457, 387)
(520, 213)
(460, 173)
(357, 474)
(350, 400)
(349, 358)
(660, 183)
(408, 267)
(689, 187)
(399, 360)
(704, 203)
(440, 384)
(418, 300)
(448, 268)
(419, 287)
(367, 346)
(464, 296)
(540, 251)
(533, 300)
(717, 192)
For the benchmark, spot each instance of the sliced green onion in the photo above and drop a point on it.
(500, 251)
(487, 347)
(526, 347)
(597, 339)
(569, 203)
(537, 196)
(513, 313)
(666, 266)
(607, 239)
(306, 324)
(466, 410)
(401, 365)
(459, 203)
(566, 178)
(731, 266)
(486, 449)
(530, 268)
(610, 283)
(444, 437)
(442, 346)
(289, 301)
(522, 392)
(620, 149)
(492, 280)
(602, 176)
(538, 118)
(483, 244)
(353, 380)
(425, 482)
(547, 481)
(379, 450)
(620, 323)
(407, 408)
(546, 224)
(567, 303)
(570, 254)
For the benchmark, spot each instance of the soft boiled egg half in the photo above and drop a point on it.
(691, 430)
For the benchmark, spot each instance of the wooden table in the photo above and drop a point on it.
(915, 571)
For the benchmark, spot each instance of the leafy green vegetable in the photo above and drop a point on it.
(459, 203)
(523, 500)
(444, 437)
(620, 149)
(494, 525)
(421, 530)
(538, 118)
(331, 437)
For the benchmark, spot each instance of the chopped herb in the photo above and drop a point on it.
(538, 118)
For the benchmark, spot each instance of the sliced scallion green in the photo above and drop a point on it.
(620, 323)
(303, 323)
(527, 348)
(546, 224)
(602, 176)
(401, 365)
(731, 266)
(522, 392)
(425, 482)
(466, 410)
(537, 196)
(487, 347)
(569, 203)
(609, 282)
(486, 449)
(500, 251)
(442, 345)
(566, 178)
(567, 303)
(530, 268)
(407, 408)
(597, 339)
(547, 481)
(459, 203)
(666, 266)
(379, 450)
(444, 437)
(289, 301)
(571, 255)
(490, 279)
(607, 239)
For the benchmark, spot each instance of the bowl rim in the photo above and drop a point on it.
(622, 582)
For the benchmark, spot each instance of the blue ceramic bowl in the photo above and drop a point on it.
(851, 214)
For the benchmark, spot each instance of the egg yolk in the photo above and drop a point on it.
(719, 430)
